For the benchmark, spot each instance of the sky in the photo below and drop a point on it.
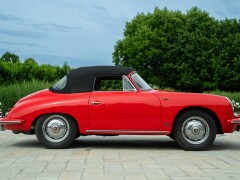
(82, 32)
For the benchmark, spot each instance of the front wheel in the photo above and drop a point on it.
(56, 131)
(195, 130)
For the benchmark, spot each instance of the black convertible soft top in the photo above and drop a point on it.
(82, 79)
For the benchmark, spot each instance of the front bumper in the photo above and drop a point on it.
(235, 121)
(7, 122)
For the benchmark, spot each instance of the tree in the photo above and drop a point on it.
(189, 52)
(10, 57)
(13, 71)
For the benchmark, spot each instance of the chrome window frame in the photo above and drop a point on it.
(138, 85)
(134, 88)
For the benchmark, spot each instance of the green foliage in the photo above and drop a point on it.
(13, 71)
(111, 85)
(231, 95)
(9, 57)
(187, 52)
(18, 79)
(10, 94)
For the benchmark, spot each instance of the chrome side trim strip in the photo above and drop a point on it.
(10, 122)
(128, 132)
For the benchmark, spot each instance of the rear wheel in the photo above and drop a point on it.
(56, 131)
(195, 130)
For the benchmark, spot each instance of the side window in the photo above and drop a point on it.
(60, 84)
(108, 83)
(113, 83)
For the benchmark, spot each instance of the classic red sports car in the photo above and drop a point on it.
(111, 100)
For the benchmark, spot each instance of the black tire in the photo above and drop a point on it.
(195, 130)
(77, 135)
(172, 136)
(56, 131)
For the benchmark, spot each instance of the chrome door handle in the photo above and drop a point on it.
(95, 103)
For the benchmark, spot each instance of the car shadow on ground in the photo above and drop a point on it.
(29, 143)
(129, 143)
(126, 144)
(106, 143)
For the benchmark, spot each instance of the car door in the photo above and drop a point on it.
(124, 108)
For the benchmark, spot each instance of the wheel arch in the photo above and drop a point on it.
(65, 114)
(209, 111)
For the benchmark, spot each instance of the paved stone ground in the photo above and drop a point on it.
(120, 157)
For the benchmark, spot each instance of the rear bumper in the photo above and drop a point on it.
(7, 122)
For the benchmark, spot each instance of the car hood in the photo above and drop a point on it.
(196, 98)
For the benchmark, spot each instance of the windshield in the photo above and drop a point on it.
(140, 82)
(60, 84)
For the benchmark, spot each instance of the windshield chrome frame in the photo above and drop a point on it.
(137, 84)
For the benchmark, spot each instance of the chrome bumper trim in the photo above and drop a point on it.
(234, 121)
(9, 122)
(128, 132)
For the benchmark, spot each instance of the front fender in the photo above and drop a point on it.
(174, 103)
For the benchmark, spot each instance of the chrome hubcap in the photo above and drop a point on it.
(55, 128)
(195, 130)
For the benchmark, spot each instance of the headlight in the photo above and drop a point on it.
(236, 115)
(230, 103)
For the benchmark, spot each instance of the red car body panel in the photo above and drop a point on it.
(173, 103)
(46, 102)
(119, 112)
(125, 111)
(141, 111)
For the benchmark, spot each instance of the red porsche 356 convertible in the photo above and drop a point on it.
(111, 100)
